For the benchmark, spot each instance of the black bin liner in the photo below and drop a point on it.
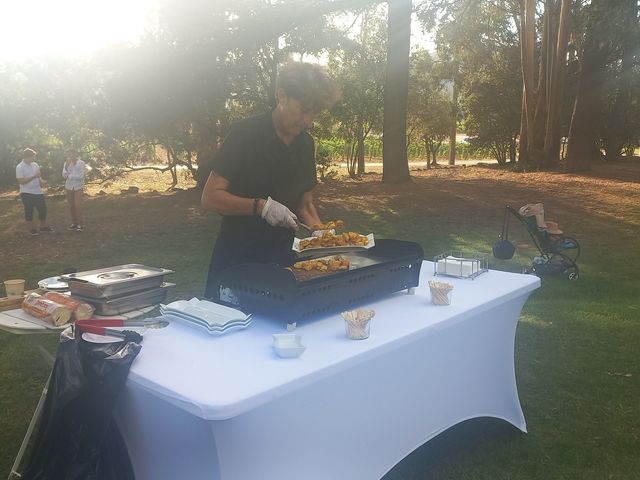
(77, 438)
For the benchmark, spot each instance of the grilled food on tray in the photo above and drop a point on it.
(332, 264)
(329, 225)
(347, 239)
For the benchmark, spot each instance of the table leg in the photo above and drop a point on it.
(27, 436)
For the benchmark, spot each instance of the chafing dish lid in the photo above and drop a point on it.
(116, 274)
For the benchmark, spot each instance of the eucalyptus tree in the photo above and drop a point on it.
(491, 101)
(619, 130)
(469, 29)
(609, 63)
(475, 42)
(359, 70)
(429, 104)
(540, 135)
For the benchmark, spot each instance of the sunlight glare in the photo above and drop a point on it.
(68, 28)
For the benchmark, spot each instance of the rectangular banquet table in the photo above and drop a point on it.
(226, 407)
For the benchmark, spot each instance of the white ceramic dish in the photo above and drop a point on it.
(212, 314)
(288, 345)
(203, 321)
(202, 326)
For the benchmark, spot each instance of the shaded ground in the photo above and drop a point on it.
(441, 196)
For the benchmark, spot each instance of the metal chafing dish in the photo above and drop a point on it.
(275, 290)
(127, 303)
(115, 281)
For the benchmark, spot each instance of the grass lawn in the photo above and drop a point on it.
(577, 361)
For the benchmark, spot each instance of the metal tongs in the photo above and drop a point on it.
(311, 230)
(307, 227)
(101, 327)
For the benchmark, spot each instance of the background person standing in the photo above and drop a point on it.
(73, 171)
(28, 176)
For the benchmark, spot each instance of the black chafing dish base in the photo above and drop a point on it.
(274, 290)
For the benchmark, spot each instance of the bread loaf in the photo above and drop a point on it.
(79, 310)
(45, 309)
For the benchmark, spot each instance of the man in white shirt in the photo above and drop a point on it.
(28, 176)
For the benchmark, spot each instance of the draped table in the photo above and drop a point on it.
(226, 407)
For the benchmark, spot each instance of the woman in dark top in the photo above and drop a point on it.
(264, 174)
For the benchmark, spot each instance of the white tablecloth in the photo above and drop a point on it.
(207, 407)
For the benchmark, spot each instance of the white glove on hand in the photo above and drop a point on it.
(322, 233)
(277, 215)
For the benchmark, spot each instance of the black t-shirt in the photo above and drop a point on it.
(258, 164)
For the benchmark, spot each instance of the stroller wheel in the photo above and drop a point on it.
(572, 272)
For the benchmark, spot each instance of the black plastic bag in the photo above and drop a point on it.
(77, 438)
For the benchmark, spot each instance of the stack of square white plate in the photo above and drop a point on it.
(211, 317)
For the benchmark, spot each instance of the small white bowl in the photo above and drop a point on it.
(288, 345)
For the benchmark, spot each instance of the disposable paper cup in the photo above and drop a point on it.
(357, 331)
(440, 293)
(439, 297)
(14, 288)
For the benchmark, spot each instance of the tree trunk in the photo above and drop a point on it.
(540, 136)
(206, 145)
(513, 149)
(435, 146)
(360, 148)
(553, 136)
(527, 54)
(540, 96)
(394, 146)
(614, 136)
(273, 72)
(523, 155)
(351, 160)
(454, 121)
(426, 147)
(172, 163)
(581, 145)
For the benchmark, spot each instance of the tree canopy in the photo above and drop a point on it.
(527, 76)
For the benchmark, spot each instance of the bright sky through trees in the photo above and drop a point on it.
(39, 28)
(71, 28)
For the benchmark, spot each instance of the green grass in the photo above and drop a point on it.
(577, 361)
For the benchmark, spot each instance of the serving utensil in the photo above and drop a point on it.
(101, 327)
(307, 227)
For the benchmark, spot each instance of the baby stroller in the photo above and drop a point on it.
(558, 253)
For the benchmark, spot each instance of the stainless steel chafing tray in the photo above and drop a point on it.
(127, 303)
(115, 281)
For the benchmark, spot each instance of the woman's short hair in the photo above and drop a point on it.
(310, 83)
(28, 152)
